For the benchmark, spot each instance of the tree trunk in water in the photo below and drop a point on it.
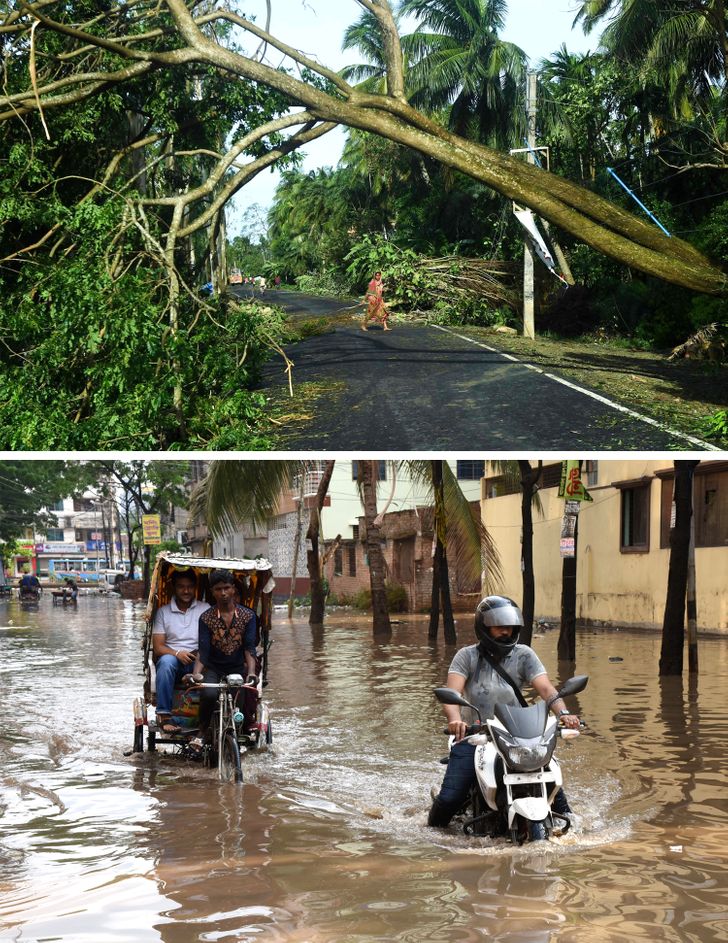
(318, 600)
(380, 607)
(529, 477)
(435, 598)
(673, 623)
(296, 543)
(692, 605)
(448, 622)
(436, 471)
(566, 649)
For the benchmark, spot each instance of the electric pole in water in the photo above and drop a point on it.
(529, 293)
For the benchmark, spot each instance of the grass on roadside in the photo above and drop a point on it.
(683, 394)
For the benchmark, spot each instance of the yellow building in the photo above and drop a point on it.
(623, 541)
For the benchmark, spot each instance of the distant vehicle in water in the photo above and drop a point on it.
(236, 277)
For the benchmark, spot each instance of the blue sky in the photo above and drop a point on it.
(316, 26)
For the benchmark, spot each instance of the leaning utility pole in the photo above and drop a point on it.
(529, 292)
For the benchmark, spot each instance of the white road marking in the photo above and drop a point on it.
(580, 389)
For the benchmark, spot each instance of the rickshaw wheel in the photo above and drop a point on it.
(269, 733)
(230, 769)
(138, 746)
(151, 741)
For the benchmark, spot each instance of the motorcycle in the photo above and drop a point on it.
(517, 775)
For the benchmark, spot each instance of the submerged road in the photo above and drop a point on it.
(422, 388)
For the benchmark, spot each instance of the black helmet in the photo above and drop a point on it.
(497, 610)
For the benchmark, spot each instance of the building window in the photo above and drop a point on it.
(468, 470)
(710, 506)
(635, 511)
(352, 559)
(355, 531)
(278, 522)
(338, 562)
(381, 470)
(54, 534)
(58, 506)
(591, 473)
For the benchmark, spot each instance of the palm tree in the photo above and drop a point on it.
(366, 36)
(673, 624)
(458, 63)
(248, 491)
(318, 599)
(529, 478)
(367, 479)
(683, 46)
(440, 571)
(525, 476)
(457, 530)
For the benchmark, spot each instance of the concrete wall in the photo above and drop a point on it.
(613, 587)
(403, 532)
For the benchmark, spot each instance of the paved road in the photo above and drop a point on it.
(420, 388)
(300, 307)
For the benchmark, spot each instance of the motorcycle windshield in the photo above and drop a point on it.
(523, 722)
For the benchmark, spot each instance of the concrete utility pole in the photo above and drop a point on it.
(529, 293)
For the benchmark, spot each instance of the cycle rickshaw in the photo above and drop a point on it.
(241, 721)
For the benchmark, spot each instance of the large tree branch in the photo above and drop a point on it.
(588, 217)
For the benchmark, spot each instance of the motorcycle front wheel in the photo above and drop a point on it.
(537, 831)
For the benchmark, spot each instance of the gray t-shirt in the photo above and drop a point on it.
(485, 688)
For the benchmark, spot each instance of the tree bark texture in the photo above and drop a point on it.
(435, 596)
(529, 477)
(566, 649)
(296, 545)
(673, 623)
(318, 600)
(380, 608)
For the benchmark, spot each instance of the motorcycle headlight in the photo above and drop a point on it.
(524, 756)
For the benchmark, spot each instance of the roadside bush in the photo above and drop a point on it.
(397, 599)
(327, 283)
(715, 426)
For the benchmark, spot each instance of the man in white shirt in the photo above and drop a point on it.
(174, 642)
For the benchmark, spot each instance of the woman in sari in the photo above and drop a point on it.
(374, 300)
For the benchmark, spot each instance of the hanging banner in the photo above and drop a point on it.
(152, 529)
(570, 485)
(526, 219)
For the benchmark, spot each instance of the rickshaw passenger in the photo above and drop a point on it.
(174, 642)
(30, 584)
(227, 636)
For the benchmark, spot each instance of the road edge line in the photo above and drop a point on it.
(580, 389)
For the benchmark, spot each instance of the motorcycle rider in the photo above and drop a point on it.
(472, 673)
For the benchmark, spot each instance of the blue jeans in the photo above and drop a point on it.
(459, 777)
(169, 671)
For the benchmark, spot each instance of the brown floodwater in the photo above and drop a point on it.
(326, 839)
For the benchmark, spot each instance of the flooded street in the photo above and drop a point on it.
(326, 840)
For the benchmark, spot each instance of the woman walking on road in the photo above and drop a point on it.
(374, 300)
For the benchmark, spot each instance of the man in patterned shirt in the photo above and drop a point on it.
(227, 640)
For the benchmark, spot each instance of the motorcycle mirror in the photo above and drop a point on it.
(449, 696)
(573, 685)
